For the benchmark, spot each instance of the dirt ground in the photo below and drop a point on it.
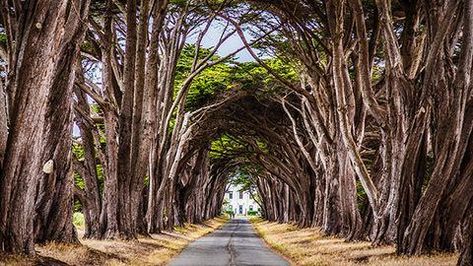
(309, 246)
(157, 250)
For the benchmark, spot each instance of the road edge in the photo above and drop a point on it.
(252, 221)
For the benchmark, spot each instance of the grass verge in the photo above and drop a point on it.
(157, 250)
(308, 246)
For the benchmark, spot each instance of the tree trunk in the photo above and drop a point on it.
(55, 197)
(36, 180)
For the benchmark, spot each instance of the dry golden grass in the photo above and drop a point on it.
(309, 246)
(158, 250)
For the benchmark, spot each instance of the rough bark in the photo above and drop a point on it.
(36, 179)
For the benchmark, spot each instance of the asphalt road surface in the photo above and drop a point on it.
(235, 243)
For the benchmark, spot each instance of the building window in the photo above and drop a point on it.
(251, 208)
(241, 194)
(230, 194)
(240, 209)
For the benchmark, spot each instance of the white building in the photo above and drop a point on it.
(240, 202)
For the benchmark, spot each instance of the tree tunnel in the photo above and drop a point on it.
(352, 116)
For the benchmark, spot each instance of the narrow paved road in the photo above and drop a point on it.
(236, 243)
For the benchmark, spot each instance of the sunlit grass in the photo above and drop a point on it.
(78, 220)
(309, 246)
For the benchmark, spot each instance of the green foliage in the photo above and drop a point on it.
(252, 76)
(207, 84)
(226, 145)
(284, 69)
(228, 75)
(249, 76)
(243, 179)
(87, 46)
(361, 195)
(78, 220)
(79, 182)
(178, 2)
(243, 175)
(78, 151)
(77, 207)
(3, 39)
(252, 213)
(95, 108)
